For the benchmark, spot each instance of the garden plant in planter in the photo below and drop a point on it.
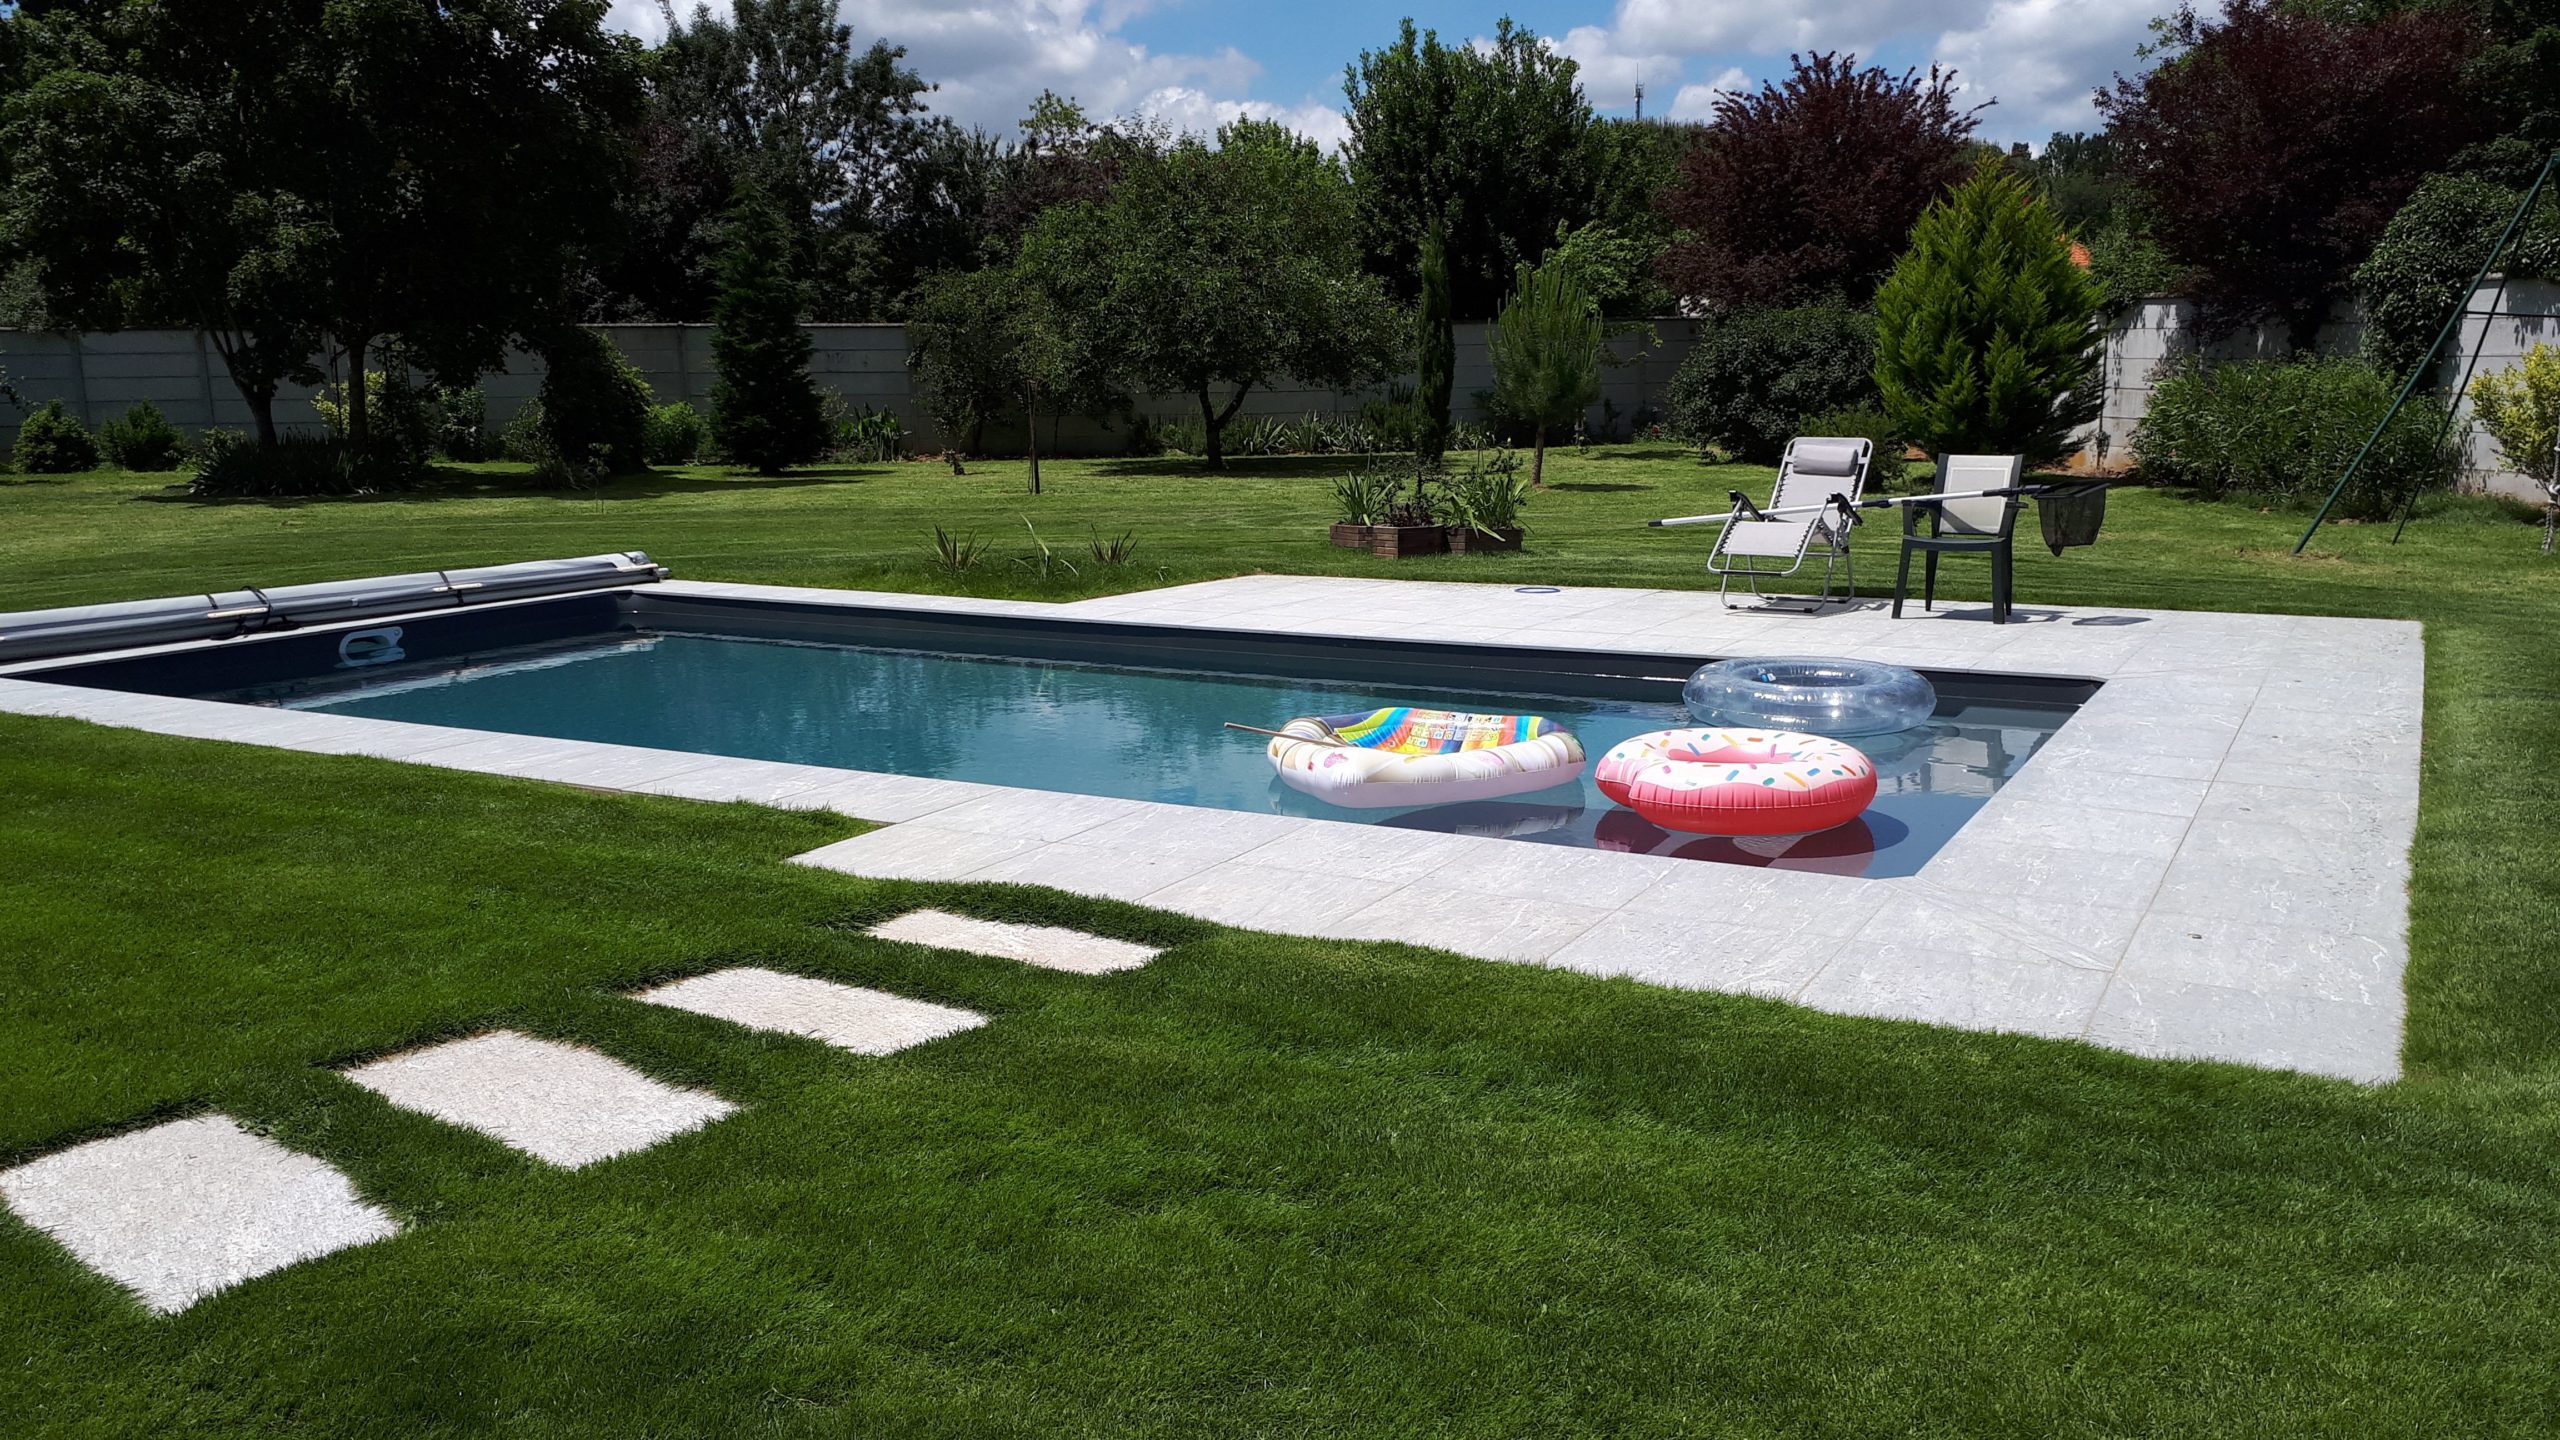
(1482, 506)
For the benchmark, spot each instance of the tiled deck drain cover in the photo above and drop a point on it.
(179, 1211)
(1045, 945)
(561, 1103)
(868, 1022)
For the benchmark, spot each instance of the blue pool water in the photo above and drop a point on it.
(1138, 734)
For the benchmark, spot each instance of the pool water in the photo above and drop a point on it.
(1133, 733)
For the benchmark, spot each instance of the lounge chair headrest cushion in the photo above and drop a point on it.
(1826, 457)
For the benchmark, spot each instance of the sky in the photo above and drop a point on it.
(1199, 63)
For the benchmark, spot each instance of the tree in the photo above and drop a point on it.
(959, 349)
(1546, 356)
(1807, 189)
(788, 106)
(2076, 174)
(1237, 266)
(1495, 143)
(286, 172)
(1436, 347)
(2520, 409)
(1031, 334)
(2422, 266)
(765, 411)
(2270, 148)
(1988, 333)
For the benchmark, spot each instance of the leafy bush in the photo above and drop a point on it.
(1987, 334)
(401, 422)
(1364, 496)
(462, 423)
(143, 439)
(522, 439)
(52, 441)
(1395, 421)
(1486, 498)
(230, 465)
(870, 436)
(1182, 436)
(674, 434)
(2281, 432)
(1886, 474)
(2430, 251)
(595, 410)
(1756, 373)
(2520, 409)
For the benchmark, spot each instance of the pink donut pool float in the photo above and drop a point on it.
(1738, 782)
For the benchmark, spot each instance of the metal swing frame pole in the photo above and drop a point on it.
(2409, 386)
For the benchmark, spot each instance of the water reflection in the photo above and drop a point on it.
(1151, 735)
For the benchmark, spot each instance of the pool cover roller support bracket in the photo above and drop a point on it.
(222, 615)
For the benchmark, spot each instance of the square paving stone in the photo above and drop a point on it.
(562, 1103)
(849, 1017)
(1049, 946)
(179, 1211)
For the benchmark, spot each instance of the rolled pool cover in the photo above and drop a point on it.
(129, 624)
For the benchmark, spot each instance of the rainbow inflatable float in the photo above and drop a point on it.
(1405, 756)
(1738, 782)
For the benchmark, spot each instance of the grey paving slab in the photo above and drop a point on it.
(1110, 872)
(886, 799)
(179, 1211)
(1266, 897)
(1491, 927)
(1051, 947)
(849, 1017)
(1693, 954)
(917, 851)
(2172, 1020)
(561, 1103)
(1192, 832)
(1379, 855)
(2267, 959)
(1897, 980)
(1034, 814)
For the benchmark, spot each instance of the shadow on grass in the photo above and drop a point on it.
(446, 484)
(1238, 467)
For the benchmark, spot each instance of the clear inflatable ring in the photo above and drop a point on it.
(1815, 696)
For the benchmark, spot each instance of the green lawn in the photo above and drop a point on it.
(1263, 1186)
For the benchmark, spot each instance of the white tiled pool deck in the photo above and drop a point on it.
(2210, 860)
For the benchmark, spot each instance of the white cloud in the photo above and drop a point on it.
(1698, 102)
(2040, 59)
(2043, 59)
(988, 59)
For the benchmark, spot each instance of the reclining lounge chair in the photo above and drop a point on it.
(1809, 475)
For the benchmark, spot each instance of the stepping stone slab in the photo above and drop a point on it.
(179, 1211)
(867, 1022)
(1045, 945)
(557, 1102)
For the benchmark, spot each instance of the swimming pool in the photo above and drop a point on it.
(1130, 711)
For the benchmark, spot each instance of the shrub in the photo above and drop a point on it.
(143, 439)
(1395, 421)
(674, 434)
(401, 422)
(595, 410)
(2281, 432)
(1890, 466)
(2520, 409)
(2430, 251)
(522, 440)
(231, 465)
(52, 441)
(462, 420)
(1756, 373)
(870, 436)
(1988, 334)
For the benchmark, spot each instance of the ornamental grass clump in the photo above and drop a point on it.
(1987, 332)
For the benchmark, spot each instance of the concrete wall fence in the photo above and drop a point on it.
(98, 376)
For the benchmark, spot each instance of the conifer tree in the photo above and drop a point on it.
(1987, 333)
(765, 411)
(1437, 342)
(1546, 355)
